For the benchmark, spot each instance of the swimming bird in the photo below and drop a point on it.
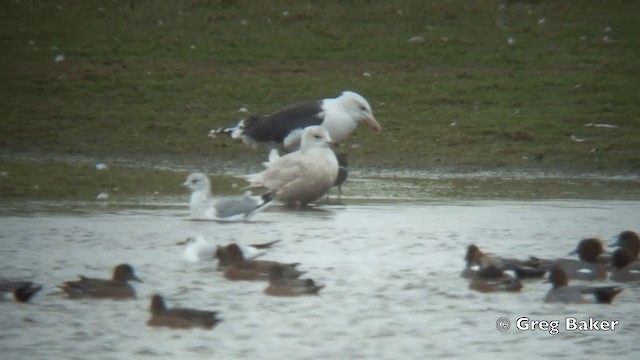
(625, 267)
(563, 293)
(180, 318)
(492, 267)
(590, 266)
(629, 240)
(490, 275)
(282, 285)
(339, 116)
(117, 288)
(203, 206)
(303, 176)
(21, 290)
(236, 267)
(197, 249)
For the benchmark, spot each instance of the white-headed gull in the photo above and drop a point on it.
(339, 116)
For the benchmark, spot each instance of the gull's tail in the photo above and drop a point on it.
(262, 202)
(236, 131)
(267, 197)
(213, 133)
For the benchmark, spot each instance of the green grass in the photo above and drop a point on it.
(82, 181)
(149, 83)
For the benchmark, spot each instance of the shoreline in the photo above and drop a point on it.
(177, 163)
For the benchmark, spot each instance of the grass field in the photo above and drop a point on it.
(490, 84)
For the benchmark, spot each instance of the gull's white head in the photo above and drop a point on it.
(315, 136)
(197, 182)
(359, 109)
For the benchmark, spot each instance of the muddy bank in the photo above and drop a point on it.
(78, 178)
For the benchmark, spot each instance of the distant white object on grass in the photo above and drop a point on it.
(577, 139)
(416, 40)
(101, 166)
(58, 58)
(511, 41)
(102, 196)
(608, 126)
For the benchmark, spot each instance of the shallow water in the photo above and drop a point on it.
(391, 270)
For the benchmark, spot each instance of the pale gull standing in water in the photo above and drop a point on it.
(300, 177)
(197, 249)
(343, 170)
(228, 208)
(339, 116)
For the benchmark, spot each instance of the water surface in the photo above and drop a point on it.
(391, 270)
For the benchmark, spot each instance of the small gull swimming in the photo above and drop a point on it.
(198, 249)
(303, 176)
(339, 116)
(203, 206)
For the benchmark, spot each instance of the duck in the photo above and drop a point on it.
(490, 276)
(283, 286)
(591, 263)
(493, 267)
(22, 290)
(629, 240)
(118, 288)
(203, 206)
(503, 284)
(561, 292)
(180, 318)
(198, 249)
(239, 268)
(624, 267)
(250, 252)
